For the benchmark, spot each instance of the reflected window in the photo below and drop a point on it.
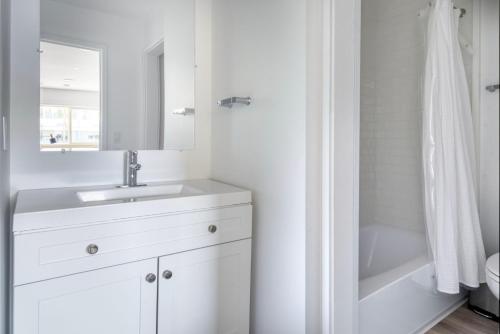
(68, 128)
(70, 98)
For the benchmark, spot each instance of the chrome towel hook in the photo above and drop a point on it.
(230, 101)
(492, 88)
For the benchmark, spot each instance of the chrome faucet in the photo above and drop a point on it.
(131, 168)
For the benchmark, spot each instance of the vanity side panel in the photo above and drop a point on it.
(44, 255)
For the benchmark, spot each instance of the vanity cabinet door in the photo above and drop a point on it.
(206, 290)
(116, 300)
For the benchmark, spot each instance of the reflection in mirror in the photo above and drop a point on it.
(70, 98)
(106, 82)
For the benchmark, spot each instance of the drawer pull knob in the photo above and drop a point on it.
(92, 249)
(167, 274)
(212, 229)
(150, 278)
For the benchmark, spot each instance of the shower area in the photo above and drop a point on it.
(397, 288)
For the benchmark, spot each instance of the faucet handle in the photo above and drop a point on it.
(135, 166)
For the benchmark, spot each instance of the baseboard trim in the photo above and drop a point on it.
(441, 316)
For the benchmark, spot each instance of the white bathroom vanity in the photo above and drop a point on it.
(165, 258)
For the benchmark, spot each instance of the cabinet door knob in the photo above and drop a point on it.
(167, 274)
(92, 249)
(150, 278)
(212, 229)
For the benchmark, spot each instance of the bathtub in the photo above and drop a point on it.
(397, 293)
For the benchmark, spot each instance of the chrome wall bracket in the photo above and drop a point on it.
(184, 111)
(230, 101)
(492, 88)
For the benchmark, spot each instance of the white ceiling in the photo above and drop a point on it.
(66, 67)
(130, 8)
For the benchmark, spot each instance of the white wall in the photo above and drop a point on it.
(33, 169)
(489, 126)
(392, 67)
(314, 165)
(259, 50)
(4, 170)
(67, 97)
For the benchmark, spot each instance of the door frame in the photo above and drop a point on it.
(152, 89)
(340, 159)
(340, 165)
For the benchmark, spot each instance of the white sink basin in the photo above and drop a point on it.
(59, 208)
(136, 192)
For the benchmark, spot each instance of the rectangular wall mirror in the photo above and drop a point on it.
(117, 75)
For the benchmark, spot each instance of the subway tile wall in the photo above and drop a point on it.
(392, 66)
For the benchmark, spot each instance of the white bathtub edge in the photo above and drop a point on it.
(440, 317)
(408, 306)
(381, 281)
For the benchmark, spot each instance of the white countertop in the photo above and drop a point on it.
(61, 207)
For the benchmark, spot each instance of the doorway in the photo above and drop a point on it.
(155, 96)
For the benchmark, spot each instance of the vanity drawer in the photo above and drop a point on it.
(45, 255)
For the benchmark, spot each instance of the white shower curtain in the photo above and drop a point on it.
(449, 160)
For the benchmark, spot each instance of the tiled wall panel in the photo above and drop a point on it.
(392, 66)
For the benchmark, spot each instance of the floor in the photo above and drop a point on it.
(464, 321)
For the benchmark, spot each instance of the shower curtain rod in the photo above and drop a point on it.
(463, 11)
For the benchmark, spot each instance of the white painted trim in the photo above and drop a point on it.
(4, 133)
(341, 244)
(196, 12)
(476, 86)
(151, 87)
(441, 316)
(488, 123)
(326, 254)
